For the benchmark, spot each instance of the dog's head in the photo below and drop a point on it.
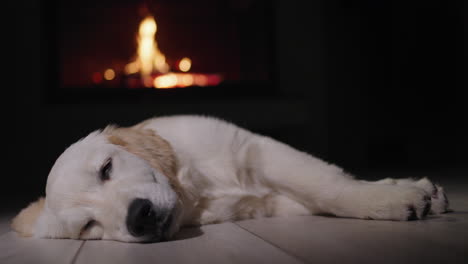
(116, 184)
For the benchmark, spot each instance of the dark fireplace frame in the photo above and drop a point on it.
(235, 90)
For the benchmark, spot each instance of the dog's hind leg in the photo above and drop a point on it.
(326, 188)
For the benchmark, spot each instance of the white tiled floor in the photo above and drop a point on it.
(223, 243)
(308, 239)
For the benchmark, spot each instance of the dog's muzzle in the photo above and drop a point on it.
(144, 220)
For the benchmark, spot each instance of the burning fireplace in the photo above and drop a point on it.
(152, 69)
(129, 50)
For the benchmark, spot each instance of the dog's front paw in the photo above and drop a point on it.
(440, 202)
(401, 203)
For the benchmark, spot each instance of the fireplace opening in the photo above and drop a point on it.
(124, 50)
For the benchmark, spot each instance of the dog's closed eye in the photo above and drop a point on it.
(104, 172)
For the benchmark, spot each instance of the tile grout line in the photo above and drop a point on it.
(270, 243)
(75, 257)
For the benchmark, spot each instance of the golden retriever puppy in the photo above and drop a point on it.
(143, 183)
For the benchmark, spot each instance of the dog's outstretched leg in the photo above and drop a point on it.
(326, 188)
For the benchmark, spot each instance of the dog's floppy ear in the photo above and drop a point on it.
(146, 144)
(24, 223)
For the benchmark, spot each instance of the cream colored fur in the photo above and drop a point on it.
(207, 171)
(23, 223)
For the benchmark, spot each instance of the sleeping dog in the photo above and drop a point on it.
(143, 183)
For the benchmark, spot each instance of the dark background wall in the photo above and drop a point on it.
(368, 85)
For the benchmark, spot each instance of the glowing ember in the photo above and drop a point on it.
(185, 64)
(186, 80)
(109, 74)
(165, 81)
(172, 80)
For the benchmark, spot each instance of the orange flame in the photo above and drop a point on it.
(149, 57)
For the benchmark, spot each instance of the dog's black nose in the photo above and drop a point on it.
(141, 218)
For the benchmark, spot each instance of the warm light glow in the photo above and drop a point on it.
(97, 78)
(148, 27)
(185, 64)
(147, 81)
(186, 80)
(165, 81)
(201, 80)
(160, 63)
(109, 74)
(132, 67)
